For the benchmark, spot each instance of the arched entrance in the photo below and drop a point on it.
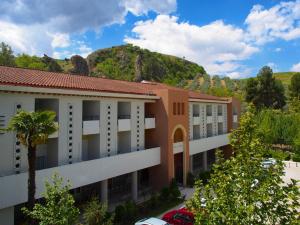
(179, 154)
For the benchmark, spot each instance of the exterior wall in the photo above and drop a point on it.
(234, 103)
(166, 124)
(7, 216)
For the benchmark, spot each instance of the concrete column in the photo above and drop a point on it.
(104, 191)
(205, 161)
(7, 216)
(191, 164)
(134, 186)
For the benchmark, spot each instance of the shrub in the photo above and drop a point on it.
(204, 176)
(296, 157)
(95, 213)
(164, 194)
(153, 201)
(126, 212)
(119, 213)
(190, 179)
(174, 190)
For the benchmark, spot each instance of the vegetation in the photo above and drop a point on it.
(265, 91)
(294, 87)
(241, 190)
(32, 129)
(59, 206)
(95, 213)
(7, 57)
(80, 65)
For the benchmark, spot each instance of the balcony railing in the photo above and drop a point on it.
(150, 123)
(90, 127)
(13, 188)
(121, 117)
(93, 117)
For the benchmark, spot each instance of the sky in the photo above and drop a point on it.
(232, 38)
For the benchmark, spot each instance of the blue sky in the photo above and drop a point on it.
(228, 37)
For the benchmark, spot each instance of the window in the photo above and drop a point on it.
(208, 110)
(220, 110)
(182, 108)
(220, 128)
(178, 108)
(174, 108)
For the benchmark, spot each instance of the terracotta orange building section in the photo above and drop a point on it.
(166, 124)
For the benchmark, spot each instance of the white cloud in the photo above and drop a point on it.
(217, 46)
(139, 7)
(273, 66)
(296, 67)
(280, 21)
(278, 49)
(60, 40)
(33, 27)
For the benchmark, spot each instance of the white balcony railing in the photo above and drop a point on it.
(90, 127)
(235, 118)
(124, 125)
(13, 188)
(149, 123)
(220, 119)
(209, 119)
(196, 120)
(205, 144)
(177, 147)
(55, 134)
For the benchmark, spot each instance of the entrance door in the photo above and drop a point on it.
(178, 167)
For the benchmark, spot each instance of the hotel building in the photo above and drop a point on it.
(116, 139)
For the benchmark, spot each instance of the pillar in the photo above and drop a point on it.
(205, 161)
(191, 164)
(134, 186)
(104, 191)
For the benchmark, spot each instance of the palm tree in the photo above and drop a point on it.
(32, 129)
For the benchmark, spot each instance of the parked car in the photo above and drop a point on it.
(179, 217)
(151, 221)
(268, 163)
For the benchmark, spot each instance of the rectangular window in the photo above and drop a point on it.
(220, 110)
(208, 110)
(174, 108)
(182, 108)
(178, 108)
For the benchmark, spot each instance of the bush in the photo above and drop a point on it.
(277, 154)
(153, 201)
(190, 179)
(95, 213)
(164, 194)
(204, 176)
(126, 212)
(296, 157)
(174, 190)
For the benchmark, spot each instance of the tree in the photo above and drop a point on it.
(7, 57)
(59, 206)
(80, 65)
(241, 190)
(138, 68)
(265, 91)
(95, 213)
(51, 64)
(294, 87)
(31, 62)
(32, 129)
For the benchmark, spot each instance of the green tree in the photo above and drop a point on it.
(294, 87)
(95, 213)
(51, 64)
(59, 206)
(32, 129)
(241, 190)
(80, 65)
(31, 62)
(6, 55)
(265, 91)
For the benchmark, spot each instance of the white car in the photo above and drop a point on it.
(151, 221)
(268, 163)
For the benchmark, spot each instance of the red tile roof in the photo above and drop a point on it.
(44, 79)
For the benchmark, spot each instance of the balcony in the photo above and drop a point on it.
(13, 188)
(205, 144)
(235, 118)
(55, 134)
(150, 123)
(177, 147)
(124, 123)
(209, 119)
(220, 119)
(90, 127)
(196, 120)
